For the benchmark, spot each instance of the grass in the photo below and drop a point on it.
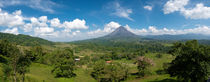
(82, 76)
(166, 58)
(153, 76)
(1, 74)
(42, 73)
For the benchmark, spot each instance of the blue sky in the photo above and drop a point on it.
(69, 20)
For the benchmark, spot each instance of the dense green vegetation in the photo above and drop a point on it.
(25, 40)
(192, 62)
(105, 61)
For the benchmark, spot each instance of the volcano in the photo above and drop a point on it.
(121, 33)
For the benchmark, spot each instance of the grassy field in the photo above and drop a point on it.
(153, 75)
(42, 73)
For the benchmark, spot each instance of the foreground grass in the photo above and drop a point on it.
(42, 73)
(152, 75)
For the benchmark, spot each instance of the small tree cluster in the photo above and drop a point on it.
(142, 64)
(109, 72)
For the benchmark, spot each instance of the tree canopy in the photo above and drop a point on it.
(191, 63)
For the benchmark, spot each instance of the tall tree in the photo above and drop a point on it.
(191, 62)
(23, 65)
(12, 59)
(65, 64)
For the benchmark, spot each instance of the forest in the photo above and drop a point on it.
(105, 61)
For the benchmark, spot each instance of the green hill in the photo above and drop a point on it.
(25, 40)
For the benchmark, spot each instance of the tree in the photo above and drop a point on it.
(98, 70)
(142, 64)
(114, 55)
(116, 71)
(37, 53)
(191, 62)
(109, 72)
(14, 60)
(64, 65)
(5, 55)
(23, 65)
(7, 70)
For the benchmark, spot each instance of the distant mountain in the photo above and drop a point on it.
(118, 37)
(25, 40)
(121, 34)
(179, 37)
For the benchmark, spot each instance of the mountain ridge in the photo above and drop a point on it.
(25, 40)
(179, 37)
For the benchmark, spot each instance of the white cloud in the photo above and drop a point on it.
(43, 31)
(38, 22)
(174, 5)
(198, 12)
(75, 24)
(12, 31)
(43, 19)
(75, 32)
(11, 20)
(152, 30)
(147, 7)
(27, 27)
(136, 31)
(51, 29)
(111, 26)
(17, 12)
(108, 28)
(121, 11)
(45, 28)
(95, 32)
(43, 5)
(55, 22)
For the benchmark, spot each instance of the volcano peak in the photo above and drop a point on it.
(121, 32)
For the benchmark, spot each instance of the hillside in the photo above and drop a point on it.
(179, 37)
(25, 40)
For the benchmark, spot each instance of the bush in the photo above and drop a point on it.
(114, 71)
(159, 55)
